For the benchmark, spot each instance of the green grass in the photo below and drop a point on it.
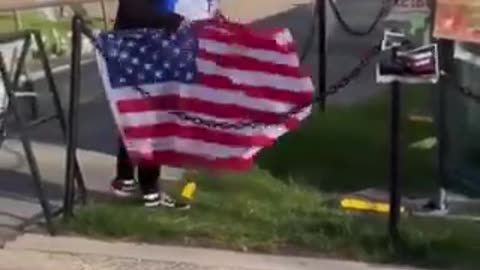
(256, 212)
(347, 148)
(36, 20)
(33, 20)
(289, 210)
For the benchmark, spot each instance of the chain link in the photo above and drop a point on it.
(344, 81)
(385, 10)
(468, 93)
(282, 119)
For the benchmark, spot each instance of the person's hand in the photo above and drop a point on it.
(185, 24)
(218, 15)
(170, 22)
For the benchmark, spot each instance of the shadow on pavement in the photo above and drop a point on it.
(19, 186)
(20, 205)
(19, 202)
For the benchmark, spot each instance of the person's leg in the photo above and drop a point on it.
(124, 184)
(153, 195)
(125, 168)
(148, 178)
(152, 188)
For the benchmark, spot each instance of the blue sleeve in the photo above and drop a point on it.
(165, 6)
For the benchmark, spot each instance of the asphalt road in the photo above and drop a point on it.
(18, 203)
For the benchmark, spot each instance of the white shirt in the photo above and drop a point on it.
(194, 10)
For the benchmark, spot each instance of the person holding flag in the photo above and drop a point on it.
(162, 14)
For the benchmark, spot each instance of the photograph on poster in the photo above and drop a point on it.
(410, 65)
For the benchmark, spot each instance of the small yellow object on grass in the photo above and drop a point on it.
(189, 189)
(365, 205)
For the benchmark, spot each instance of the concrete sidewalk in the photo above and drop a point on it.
(68, 253)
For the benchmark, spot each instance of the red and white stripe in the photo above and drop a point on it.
(243, 75)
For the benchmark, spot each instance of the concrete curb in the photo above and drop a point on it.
(196, 256)
(16, 260)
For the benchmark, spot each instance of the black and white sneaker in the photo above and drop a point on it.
(151, 200)
(162, 199)
(124, 188)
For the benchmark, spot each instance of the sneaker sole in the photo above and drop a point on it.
(121, 194)
(158, 203)
(151, 204)
(166, 204)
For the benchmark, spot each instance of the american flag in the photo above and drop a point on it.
(216, 71)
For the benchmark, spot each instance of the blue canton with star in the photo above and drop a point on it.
(149, 56)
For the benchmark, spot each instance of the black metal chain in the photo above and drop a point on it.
(469, 93)
(385, 9)
(307, 46)
(366, 59)
(282, 119)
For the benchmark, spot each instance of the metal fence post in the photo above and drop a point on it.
(445, 59)
(395, 158)
(58, 107)
(447, 66)
(322, 53)
(72, 131)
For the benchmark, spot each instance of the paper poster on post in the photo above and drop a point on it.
(411, 65)
(404, 10)
(458, 20)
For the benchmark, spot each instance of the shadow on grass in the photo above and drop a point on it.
(347, 149)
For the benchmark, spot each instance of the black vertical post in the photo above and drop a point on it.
(445, 52)
(58, 108)
(446, 64)
(322, 53)
(395, 157)
(72, 131)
